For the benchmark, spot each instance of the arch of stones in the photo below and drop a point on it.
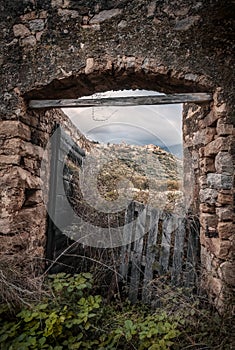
(67, 49)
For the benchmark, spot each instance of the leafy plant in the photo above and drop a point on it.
(70, 316)
(73, 318)
(62, 322)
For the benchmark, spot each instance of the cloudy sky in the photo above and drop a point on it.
(160, 125)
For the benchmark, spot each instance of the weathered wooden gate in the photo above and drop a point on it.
(167, 252)
(164, 247)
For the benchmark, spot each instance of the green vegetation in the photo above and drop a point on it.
(71, 316)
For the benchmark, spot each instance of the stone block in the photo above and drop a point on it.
(195, 159)
(227, 272)
(28, 41)
(225, 213)
(28, 16)
(105, 15)
(224, 199)
(14, 128)
(218, 96)
(219, 248)
(5, 225)
(31, 165)
(207, 165)
(214, 286)
(214, 147)
(209, 120)
(23, 148)
(30, 150)
(183, 25)
(9, 177)
(203, 181)
(33, 198)
(224, 163)
(31, 182)
(232, 249)
(208, 195)
(10, 160)
(89, 65)
(206, 259)
(11, 146)
(207, 208)
(223, 128)
(130, 62)
(226, 229)
(227, 192)
(38, 35)
(29, 218)
(20, 30)
(219, 181)
(220, 110)
(18, 177)
(151, 9)
(36, 25)
(208, 221)
(201, 152)
(204, 136)
(66, 14)
(12, 200)
(188, 141)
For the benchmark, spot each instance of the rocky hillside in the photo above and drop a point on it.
(148, 173)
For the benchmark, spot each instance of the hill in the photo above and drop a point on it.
(147, 174)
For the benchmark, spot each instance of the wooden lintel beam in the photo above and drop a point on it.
(123, 101)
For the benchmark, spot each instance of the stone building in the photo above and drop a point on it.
(68, 49)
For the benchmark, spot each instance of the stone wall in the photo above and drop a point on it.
(68, 48)
(23, 222)
(209, 152)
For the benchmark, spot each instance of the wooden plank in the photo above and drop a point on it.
(137, 256)
(123, 101)
(178, 252)
(59, 176)
(50, 244)
(127, 233)
(150, 254)
(167, 229)
(192, 253)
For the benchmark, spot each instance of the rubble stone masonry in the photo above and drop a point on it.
(213, 171)
(67, 49)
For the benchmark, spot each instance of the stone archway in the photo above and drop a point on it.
(55, 49)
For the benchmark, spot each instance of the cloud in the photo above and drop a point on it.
(159, 124)
(118, 132)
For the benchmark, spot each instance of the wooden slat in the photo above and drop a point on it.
(127, 233)
(167, 229)
(50, 245)
(178, 252)
(192, 254)
(123, 101)
(137, 256)
(150, 254)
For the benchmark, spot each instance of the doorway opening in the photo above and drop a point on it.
(107, 216)
(128, 196)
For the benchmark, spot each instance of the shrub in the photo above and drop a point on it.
(73, 318)
(70, 316)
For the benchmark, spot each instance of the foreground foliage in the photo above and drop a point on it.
(72, 317)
